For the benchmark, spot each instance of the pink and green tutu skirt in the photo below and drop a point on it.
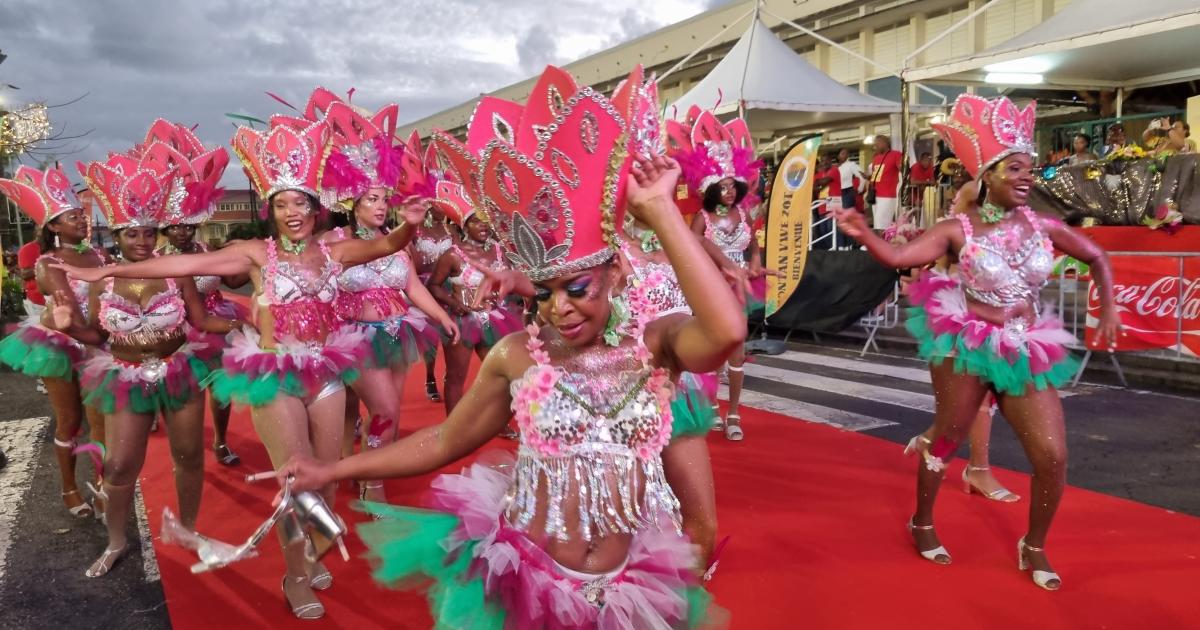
(483, 573)
(400, 341)
(1010, 357)
(146, 387)
(486, 328)
(692, 406)
(35, 350)
(256, 376)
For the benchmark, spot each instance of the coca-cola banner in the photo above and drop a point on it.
(1158, 299)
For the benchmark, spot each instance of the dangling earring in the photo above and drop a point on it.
(56, 243)
(618, 316)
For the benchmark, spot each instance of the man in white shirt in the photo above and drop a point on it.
(850, 170)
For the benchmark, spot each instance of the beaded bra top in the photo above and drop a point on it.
(1005, 267)
(301, 302)
(657, 284)
(380, 283)
(602, 411)
(130, 324)
(205, 285)
(80, 288)
(733, 243)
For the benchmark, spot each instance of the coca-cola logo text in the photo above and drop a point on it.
(1160, 298)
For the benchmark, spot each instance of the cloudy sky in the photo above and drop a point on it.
(193, 61)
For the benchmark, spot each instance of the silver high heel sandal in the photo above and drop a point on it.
(931, 555)
(1048, 580)
(1000, 494)
(934, 464)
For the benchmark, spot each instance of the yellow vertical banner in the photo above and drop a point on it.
(789, 220)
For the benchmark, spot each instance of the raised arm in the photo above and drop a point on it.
(67, 316)
(235, 259)
(478, 417)
(1078, 246)
(702, 342)
(921, 251)
(199, 316)
(354, 251)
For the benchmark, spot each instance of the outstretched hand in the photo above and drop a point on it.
(851, 222)
(651, 187)
(86, 274)
(60, 316)
(498, 284)
(1108, 330)
(412, 211)
(306, 473)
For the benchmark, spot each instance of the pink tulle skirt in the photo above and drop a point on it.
(656, 586)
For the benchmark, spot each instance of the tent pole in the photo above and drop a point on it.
(1120, 101)
(904, 131)
(706, 44)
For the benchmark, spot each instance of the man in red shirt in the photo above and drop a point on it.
(27, 258)
(885, 182)
(922, 176)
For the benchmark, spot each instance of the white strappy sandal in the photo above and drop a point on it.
(931, 555)
(1048, 580)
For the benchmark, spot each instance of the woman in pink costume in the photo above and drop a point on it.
(149, 366)
(721, 174)
(982, 329)
(555, 539)
(365, 177)
(36, 348)
(292, 369)
(199, 170)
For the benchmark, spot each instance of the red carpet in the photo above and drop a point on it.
(816, 517)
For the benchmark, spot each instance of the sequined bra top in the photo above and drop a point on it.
(206, 286)
(1004, 267)
(733, 243)
(430, 249)
(380, 283)
(301, 302)
(131, 324)
(600, 412)
(80, 289)
(657, 284)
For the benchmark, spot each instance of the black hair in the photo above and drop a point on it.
(1086, 138)
(272, 229)
(712, 195)
(45, 236)
(925, 154)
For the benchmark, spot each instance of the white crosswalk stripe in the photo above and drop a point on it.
(866, 384)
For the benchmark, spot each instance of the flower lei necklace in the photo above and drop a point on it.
(647, 239)
(722, 210)
(991, 213)
(365, 234)
(292, 247)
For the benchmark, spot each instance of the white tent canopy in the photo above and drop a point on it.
(778, 88)
(1093, 44)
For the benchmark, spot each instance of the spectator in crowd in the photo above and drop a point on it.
(1114, 140)
(885, 183)
(27, 257)
(1081, 150)
(921, 175)
(1164, 138)
(826, 186)
(852, 178)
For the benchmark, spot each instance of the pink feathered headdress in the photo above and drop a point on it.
(981, 131)
(708, 151)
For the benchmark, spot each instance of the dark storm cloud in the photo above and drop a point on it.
(194, 61)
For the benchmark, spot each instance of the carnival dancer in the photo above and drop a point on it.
(197, 172)
(292, 370)
(149, 366)
(982, 329)
(363, 177)
(720, 170)
(433, 238)
(556, 540)
(36, 348)
(454, 282)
